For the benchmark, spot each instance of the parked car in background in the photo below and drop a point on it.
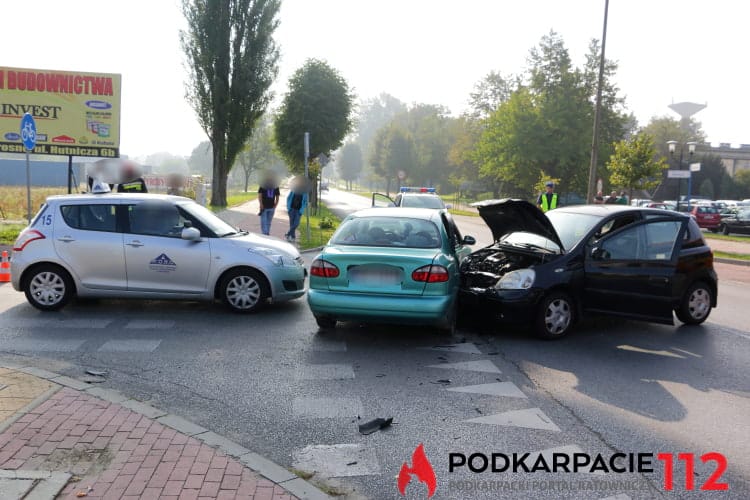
(548, 270)
(148, 246)
(737, 221)
(410, 197)
(390, 265)
(707, 216)
(654, 204)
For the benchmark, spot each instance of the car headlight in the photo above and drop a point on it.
(522, 279)
(276, 257)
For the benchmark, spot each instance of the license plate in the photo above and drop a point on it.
(375, 275)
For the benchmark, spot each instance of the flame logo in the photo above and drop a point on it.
(422, 468)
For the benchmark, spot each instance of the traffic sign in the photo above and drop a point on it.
(695, 167)
(28, 131)
(678, 174)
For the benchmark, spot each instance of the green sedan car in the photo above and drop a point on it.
(390, 265)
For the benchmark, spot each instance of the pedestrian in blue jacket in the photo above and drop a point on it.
(296, 202)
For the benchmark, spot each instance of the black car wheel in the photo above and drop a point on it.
(725, 229)
(448, 325)
(244, 290)
(696, 304)
(555, 316)
(48, 287)
(325, 322)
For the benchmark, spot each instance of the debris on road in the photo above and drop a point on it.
(375, 425)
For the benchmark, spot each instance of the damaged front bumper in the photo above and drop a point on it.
(511, 306)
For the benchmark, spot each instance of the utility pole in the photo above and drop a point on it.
(597, 114)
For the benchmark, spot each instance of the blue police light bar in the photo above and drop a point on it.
(405, 189)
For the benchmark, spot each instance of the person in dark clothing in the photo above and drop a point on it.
(547, 201)
(268, 198)
(612, 198)
(296, 202)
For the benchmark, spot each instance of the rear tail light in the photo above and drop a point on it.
(26, 237)
(430, 274)
(324, 269)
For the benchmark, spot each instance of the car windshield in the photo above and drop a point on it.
(422, 201)
(207, 217)
(571, 226)
(387, 232)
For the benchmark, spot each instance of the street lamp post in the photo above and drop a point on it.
(691, 150)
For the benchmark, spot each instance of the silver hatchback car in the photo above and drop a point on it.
(149, 246)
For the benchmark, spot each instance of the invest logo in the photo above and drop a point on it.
(421, 468)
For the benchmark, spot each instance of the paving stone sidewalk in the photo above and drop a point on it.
(113, 447)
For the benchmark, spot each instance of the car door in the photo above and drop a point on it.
(157, 259)
(631, 271)
(380, 200)
(88, 240)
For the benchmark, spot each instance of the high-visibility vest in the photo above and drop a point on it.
(549, 206)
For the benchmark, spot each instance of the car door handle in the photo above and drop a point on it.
(135, 243)
(66, 239)
(658, 279)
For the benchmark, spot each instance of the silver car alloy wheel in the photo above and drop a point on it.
(699, 303)
(47, 288)
(557, 316)
(243, 292)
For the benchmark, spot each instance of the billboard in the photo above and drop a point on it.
(76, 114)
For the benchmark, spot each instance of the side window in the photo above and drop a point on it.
(92, 217)
(613, 225)
(450, 227)
(156, 219)
(660, 239)
(623, 246)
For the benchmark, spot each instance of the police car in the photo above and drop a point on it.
(148, 246)
(411, 197)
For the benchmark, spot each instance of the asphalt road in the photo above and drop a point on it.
(276, 385)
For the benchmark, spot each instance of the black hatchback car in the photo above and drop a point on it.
(548, 270)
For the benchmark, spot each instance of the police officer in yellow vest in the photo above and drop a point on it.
(548, 201)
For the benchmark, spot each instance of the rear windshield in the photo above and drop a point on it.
(422, 201)
(387, 232)
(707, 210)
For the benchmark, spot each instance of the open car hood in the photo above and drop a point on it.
(508, 216)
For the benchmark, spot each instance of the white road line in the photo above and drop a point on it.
(327, 407)
(150, 324)
(503, 389)
(326, 372)
(485, 366)
(130, 345)
(43, 345)
(621, 496)
(531, 418)
(337, 460)
(328, 345)
(78, 324)
(466, 348)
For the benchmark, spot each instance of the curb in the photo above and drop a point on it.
(736, 262)
(266, 468)
(312, 250)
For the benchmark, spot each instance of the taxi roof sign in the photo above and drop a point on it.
(99, 187)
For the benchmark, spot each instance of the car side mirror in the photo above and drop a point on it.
(448, 206)
(469, 240)
(190, 234)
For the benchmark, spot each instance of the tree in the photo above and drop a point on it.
(257, 153)
(394, 149)
(350, 163)
(201, 159)
(232, 60)
(742, 181)
(319, 101)
(490, 92)
(373, 115)
(635, 164)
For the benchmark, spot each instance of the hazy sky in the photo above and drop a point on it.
(429, 51)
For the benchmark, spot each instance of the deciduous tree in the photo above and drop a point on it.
(635, 164)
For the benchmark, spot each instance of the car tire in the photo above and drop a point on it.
(696, 304)
(555, 316)
(725, 229)
(325, 322)
(48, 287)
(244, 290)
(714, 229)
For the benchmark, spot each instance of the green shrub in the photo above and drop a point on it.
(327, 223)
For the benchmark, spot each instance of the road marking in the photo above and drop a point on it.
(466, 347)
(43, 345)
(568, 450)
(621, 496)
(504, 389)
(326, 372)
(332, 460)
(485, 366)
(668, 354)
(327, 407)
(328, 345)
(531, 418)
(150, 324)
(130, 345)
(78, 324)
